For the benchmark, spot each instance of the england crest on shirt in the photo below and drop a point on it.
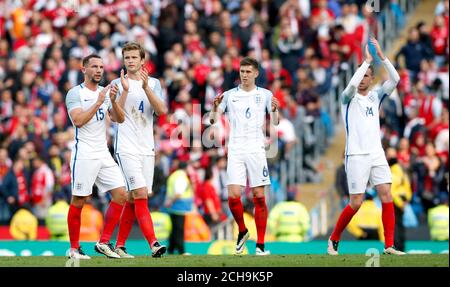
(258, 99)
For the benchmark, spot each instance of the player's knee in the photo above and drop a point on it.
(355, 205)
(234, 191)
(78, 201)
(386, 196)
(384, 192)
(356, 202)
(119, 196)
(140, 193)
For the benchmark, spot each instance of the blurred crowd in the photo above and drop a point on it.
(194, 48)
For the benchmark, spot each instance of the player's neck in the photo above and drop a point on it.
(247, 88)
(91, 85)
(363, 92)
(134, 76)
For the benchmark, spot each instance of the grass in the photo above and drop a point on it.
(426, 260)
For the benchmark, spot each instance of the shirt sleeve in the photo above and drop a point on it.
(73, 99)
(389, 86)
(352, 88)
(157, 89)
(269, 96)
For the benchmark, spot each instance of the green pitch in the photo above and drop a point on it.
(428, 260)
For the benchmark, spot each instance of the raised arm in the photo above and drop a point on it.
(272, 108)
(79, 116)
(388, 86)
(116, 112)
(215, 109)
(352, 87)
(157, 103)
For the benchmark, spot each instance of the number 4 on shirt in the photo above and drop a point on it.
(141, 107)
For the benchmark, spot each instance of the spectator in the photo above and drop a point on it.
(91, 222)
(179, 201)
(289, 220)
(286, 133)
(42, 184)
(195, 228)
(24, 225)
(439, 38)
(161, 224)
(212, 208)
(429, 176)
(56, 219)
(438, 221)
(15, 187)
(413, 52)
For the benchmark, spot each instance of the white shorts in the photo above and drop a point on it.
(138, 170)
(253, 165)
(361, 169)
(103, 172)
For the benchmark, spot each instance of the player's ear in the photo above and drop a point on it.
(256, 73)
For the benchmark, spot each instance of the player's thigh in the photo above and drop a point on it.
(257, 169)
(358, 173)
(380, 172)
(149, 171)
(109, 177)
(236, 172)
(132, 169)
(84, 172)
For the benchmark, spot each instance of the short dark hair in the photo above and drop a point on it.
(248, 61)
(88, 58)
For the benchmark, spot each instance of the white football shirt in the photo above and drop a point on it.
(361, 113)
(135, 134)
(90, 139)
(246, 113)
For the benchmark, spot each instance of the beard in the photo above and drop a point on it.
(95, 81)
